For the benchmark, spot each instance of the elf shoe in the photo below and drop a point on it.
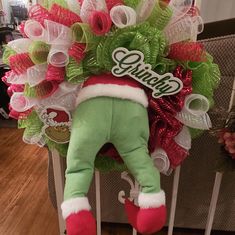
(150, 216)
(79, 219)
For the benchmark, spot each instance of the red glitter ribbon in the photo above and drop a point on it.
(19, 116)
(21, 29)
(39, 13)
(111, 3)
(163, 125)
(14, 88)
(77, 51)
(63, 16)
(20, 63)
(5, 77)
(55, 73)
(194, 11)
(100, 22)
(187, 51)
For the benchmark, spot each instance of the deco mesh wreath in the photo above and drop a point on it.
(118, 82)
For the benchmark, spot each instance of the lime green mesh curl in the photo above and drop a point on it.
(48, 3)
(8, 52)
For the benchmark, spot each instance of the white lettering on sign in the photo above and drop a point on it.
(132, 63)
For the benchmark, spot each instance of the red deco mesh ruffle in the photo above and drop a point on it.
(20, 63)
(163, 124)
(39, 13)
(187, 51)
(77, 51)
(63, 16)
(55, 73)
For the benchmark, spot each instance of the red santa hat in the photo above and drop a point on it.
(58, 116)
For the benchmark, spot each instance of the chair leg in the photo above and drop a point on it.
(213, 203)
(174, 200)
(58, 170)
(98, 204)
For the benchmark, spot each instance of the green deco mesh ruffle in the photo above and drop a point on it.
(145, 38)
(48, 3)
(160, 16)
(206, 78)
(33, 126)
(131, 3)
(8, 52)
(61, 148)
(38, 52)
(106, 164)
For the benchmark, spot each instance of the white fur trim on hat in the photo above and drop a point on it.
(152, 200)
(74, 205)
(112, 90)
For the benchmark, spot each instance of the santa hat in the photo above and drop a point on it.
(110, 86)
(58, 116)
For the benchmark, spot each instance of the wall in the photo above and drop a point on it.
(215, 10)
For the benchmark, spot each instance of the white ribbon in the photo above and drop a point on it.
(194, 113)
(183, 139)
(65, 95)
(89, 6)
(36, 139)
(123, 16)
(198, 24)
(196, 104)
(58, 56)
(161, 160)
(201, 122)
(36, 74)
(179, 31)
(17, 79)
(144, 9)
(180, 8)
(74, 6)
(35, 31)
(33, 76)
(58, 34)
(20, 103)
(20, 45)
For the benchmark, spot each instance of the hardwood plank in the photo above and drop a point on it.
(25, 206)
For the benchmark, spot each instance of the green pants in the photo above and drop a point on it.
(109, 120)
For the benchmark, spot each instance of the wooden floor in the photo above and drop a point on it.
(25, 208)
(24, 203)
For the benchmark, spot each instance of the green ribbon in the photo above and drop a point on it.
(206, 77)
(30, 92)
(76, 73)
(91, 63)
(82, 33)
(8, 52)
(131, 3)
(48, 3)
(165, 65)
(160, 16)
(61, 148)
(107, 164)
(195, 133)
(33, 125)
(38, 52)
(37, 91)
(143, 37)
